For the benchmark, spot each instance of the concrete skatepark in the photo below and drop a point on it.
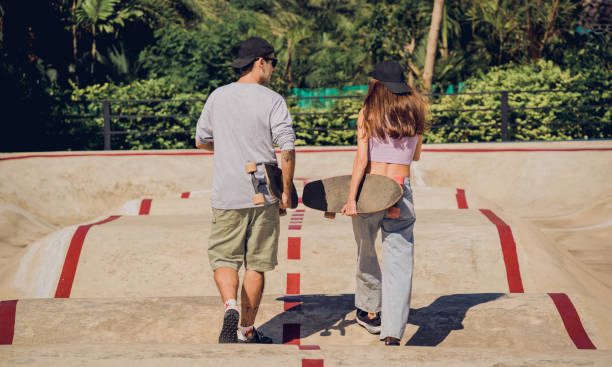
(103, 262)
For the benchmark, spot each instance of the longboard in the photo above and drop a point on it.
(274, 182)
(376, 193)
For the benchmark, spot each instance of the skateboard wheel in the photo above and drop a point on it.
(258, 199)
(282, 212)
(330, 215)
(251, 167)
(399, 179)
(393, 212)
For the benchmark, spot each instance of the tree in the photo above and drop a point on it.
(96, 14)
(432, 42)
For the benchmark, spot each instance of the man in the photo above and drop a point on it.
(240, 122)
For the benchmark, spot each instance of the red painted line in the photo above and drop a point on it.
(103, 155)
(293, 251)
(461, 200)
(309, 347)
(571, 320)
(291, 334)
(293, 283)
(433, 150)
(312, 362)
(300, 210)
(145, 207)
(8, 310)
(513, 272)
(295, 228)
(64, 286)
(185, 195)
(289, 304)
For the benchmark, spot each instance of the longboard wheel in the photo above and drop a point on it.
(393, 212)
(282, 212)
(258, 199)
(330, 215)
(251, 167)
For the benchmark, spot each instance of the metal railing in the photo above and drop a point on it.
(503, 116)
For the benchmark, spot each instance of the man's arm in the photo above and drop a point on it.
(210, 146)
(288, 167)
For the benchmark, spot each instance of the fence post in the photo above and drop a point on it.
(504, 115)
(107, 127)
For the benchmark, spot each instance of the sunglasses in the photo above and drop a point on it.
(274, 61)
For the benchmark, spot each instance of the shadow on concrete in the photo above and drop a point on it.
(444, 315)
(327, 316)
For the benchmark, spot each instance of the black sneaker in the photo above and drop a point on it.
(371, 325)
(230, 327)
(257, 337)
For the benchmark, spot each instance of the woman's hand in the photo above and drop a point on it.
(350, 208)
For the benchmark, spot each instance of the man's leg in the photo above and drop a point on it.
(227, 282)
(252, 290)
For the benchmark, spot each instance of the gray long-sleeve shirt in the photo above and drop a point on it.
(244, 121)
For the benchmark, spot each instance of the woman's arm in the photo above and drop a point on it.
(417, 150)
(359, 167)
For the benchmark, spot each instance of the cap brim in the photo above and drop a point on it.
(397, 87)
(240, 63)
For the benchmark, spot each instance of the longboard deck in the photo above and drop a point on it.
(274, 177)
(375, 193)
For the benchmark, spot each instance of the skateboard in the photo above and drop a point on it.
(273, 180)
(375, 193)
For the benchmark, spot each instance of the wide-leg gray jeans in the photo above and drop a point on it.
(390, 290)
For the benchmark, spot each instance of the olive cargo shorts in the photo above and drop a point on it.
(247, 235)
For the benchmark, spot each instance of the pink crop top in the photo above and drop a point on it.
(400, 151)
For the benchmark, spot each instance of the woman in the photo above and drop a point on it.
(390, 133)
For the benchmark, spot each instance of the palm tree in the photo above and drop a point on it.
(432, 41)
(96, 14)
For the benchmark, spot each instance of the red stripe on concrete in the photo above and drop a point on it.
(433, 150)
(185, 195)
(295, 228)
(7, 321)
(293, 251)
(312, 362)
(513, 272)
(461, 200)
(291, 334)
(102, 155)
(309, 347)
(293, 283)
(64, 286)
(571, 320)
(145, 207)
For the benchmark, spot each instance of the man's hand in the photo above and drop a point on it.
(286, 201)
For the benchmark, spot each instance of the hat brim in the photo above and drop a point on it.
(242, 62)
(397, 87)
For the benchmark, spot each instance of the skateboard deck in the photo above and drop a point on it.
(274, 178)
(375, 193)
(272, 181)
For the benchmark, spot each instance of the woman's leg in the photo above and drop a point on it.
(368, 275)
(398, 261)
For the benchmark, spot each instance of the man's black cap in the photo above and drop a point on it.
(250, 50)
(391, 74)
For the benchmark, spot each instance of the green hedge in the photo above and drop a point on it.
(531, 116)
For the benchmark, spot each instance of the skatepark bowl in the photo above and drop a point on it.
(103, 262)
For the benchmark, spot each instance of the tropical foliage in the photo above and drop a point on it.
(53, 51)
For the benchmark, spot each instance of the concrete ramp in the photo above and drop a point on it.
(116, 269)
(188, 355)
(491, 320)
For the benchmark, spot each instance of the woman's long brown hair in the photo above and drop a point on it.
(393, 115)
